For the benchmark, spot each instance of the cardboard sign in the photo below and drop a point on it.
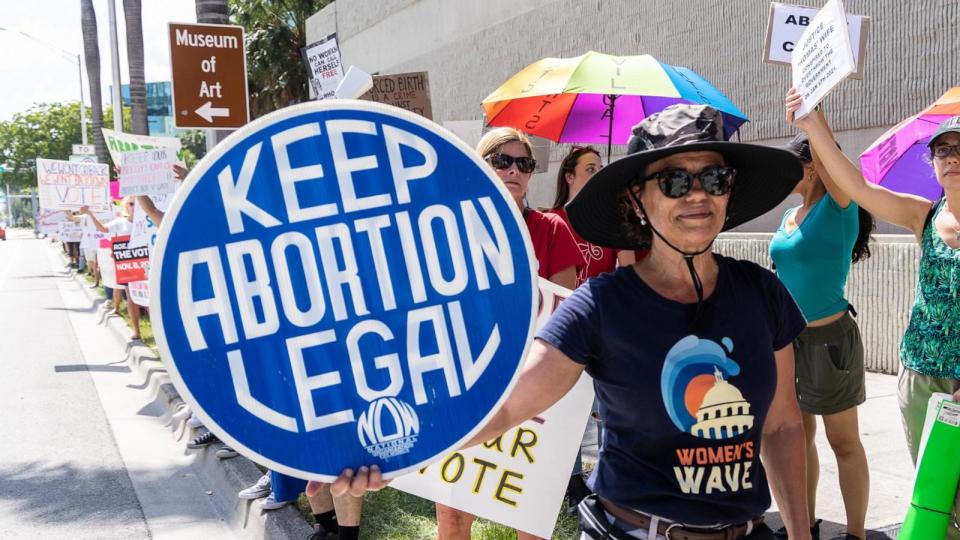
(209, 67)
(516, 479)
(64, 185)
(147, 172)
(139, 292)
(108, 272)
(132, 264)
(323, 63)
(70, 231)
(409, 91)
(118, 143)
(822, 57)
(351, 287)
(143, 230)
(786, 24)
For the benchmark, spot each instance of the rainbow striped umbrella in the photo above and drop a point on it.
(598, 98)
(900, 160)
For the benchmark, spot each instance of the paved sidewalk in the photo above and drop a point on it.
(891, 471)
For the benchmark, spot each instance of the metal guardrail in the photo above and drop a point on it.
(881, 288)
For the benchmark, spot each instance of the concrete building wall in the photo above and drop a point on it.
(471, 47)
(881, 289)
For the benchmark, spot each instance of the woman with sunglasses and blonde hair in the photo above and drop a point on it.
(509, 154)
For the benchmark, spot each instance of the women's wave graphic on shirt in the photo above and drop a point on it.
(696, 393)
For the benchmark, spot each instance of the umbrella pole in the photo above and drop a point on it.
(613, 99)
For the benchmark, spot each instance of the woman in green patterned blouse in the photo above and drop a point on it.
(930, 350)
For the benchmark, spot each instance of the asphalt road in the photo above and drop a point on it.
(84, 452)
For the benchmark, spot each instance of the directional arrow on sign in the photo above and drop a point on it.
(207, 111)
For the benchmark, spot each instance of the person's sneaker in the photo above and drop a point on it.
(814, 531)
(271, 503)
(202, 440)
(226, 453)
(194, 422)
(260, 489)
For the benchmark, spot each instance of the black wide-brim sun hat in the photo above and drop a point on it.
(765, 175)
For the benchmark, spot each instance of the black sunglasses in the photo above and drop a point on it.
(503, 161)
(675, 183)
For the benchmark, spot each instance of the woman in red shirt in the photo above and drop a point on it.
(576, 168)
(510, 155)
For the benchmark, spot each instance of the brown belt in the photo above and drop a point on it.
(675, 531)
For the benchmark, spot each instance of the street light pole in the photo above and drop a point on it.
(115, 65)
(83, 110)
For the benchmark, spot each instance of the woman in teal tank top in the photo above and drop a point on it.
(812, 251)
(930, 350)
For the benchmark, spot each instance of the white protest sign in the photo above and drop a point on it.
(519, 478)
(323, 61)
(147, 172)
(82, 159)
(48, 221)
(91, 236)
(786, 24)
(108, 271)
(64, 185)
(70, 231)
(139, 292)
(822, 57)
(118, 143)
(143, 230)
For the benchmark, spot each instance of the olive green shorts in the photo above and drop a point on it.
(830, 373)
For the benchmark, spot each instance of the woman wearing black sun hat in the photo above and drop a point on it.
(691, 352)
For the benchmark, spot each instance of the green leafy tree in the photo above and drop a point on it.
(276, 31)
(194, 140)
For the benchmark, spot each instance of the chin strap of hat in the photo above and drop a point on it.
(688, 258)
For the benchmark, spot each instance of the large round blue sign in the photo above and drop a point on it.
(341, 284)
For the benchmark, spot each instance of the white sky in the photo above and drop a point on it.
(34, 73)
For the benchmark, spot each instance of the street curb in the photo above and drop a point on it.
(227, 477)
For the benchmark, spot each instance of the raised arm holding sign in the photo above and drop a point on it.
(823, 56)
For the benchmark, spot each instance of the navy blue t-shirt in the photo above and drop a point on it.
(682, 410)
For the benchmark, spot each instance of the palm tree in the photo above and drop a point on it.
(212, 12)
(138, 86)
(91, 54)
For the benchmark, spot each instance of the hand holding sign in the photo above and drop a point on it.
(823, 56)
